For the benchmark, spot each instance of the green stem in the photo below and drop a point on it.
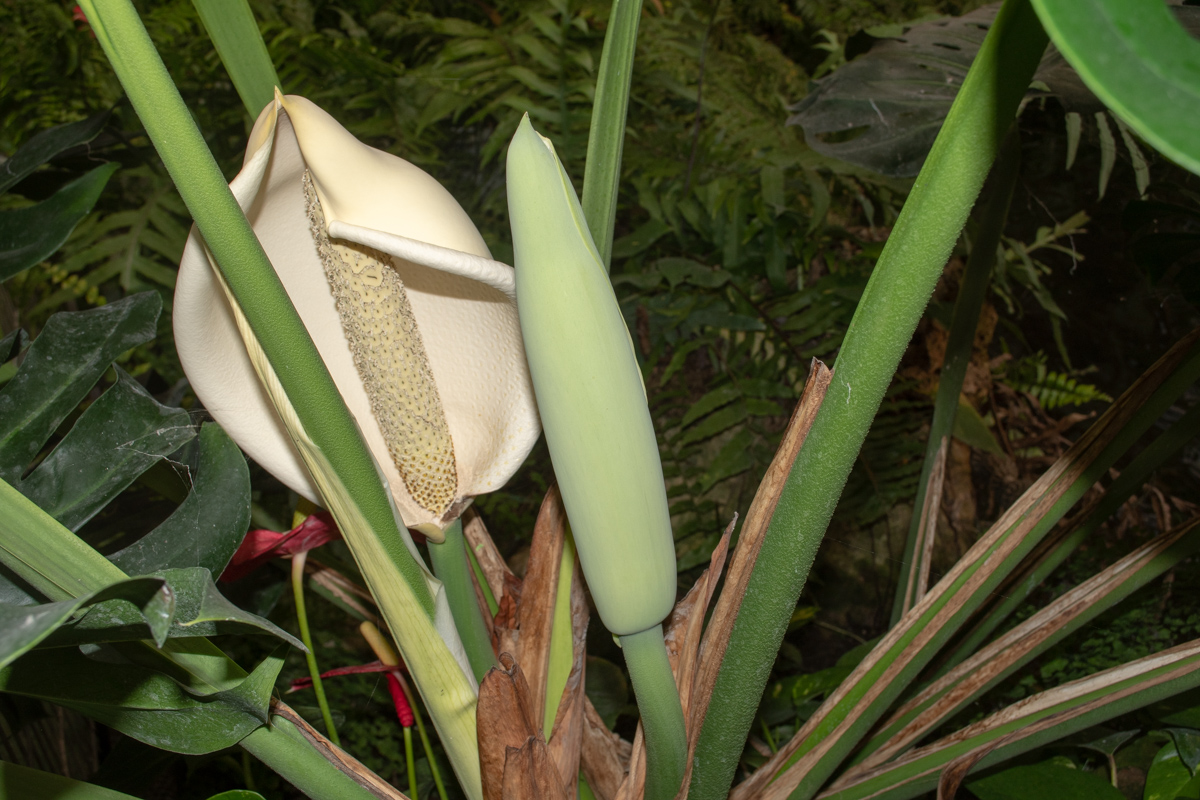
(298, 561)
(249, 274)
(234, 33)
(284, 749)
(425, 745)
(606, 138)
(409, 763)
(887, 315)
(971, 293)
(481, 579)
(662, 714)
(453, 570)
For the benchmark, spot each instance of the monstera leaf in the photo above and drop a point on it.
(883, 110)
(28, 235)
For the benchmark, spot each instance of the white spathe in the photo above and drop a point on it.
(462, 301)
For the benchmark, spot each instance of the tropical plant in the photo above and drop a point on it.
(123, 638)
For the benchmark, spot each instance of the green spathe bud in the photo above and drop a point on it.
(590, 395)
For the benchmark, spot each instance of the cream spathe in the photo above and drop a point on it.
(414, 320)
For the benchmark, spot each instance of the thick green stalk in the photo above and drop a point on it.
(662, 714)
(453, 570)
(1130, 480)
(971, 293)
(891, 306)
(481, 579)
(231, 26)
(606, 138)
(60, 566)
(248, 273)
(310, 657)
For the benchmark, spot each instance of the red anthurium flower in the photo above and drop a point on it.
(260, 546)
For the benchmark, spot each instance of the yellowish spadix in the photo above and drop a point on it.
(414, 320)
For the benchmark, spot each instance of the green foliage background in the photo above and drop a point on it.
(740, 252)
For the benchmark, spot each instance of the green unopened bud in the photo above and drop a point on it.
(590, 395)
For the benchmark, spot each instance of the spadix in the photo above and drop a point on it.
(414, 320)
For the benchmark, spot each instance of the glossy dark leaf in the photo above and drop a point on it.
(1187, 744)
(28, 235)
(24, 782)
(1168, 777)
(884, 109)
(11, 344)
(117, 438)
(199, 610)
(46, 145)
(24, 626)
(1109, 745)
(208, 526)
(1045, 781)
(142, 703)
(61, 366)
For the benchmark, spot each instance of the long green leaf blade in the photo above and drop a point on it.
(606, 139)
(231, 26)
(895, 297)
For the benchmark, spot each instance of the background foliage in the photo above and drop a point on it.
(740, 255)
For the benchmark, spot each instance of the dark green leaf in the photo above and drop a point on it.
(640, 240)
(884, 109)
(46, 145)
(1168, 777)
(132, 767)
(685, 270)
(1045, 781)
(970, 429)
(116, 439)
(237, 794)
(60, 368)
(23, 783)
(1187, 744)
(733, 459)
(209, 525)
(28, 235)
(23, 626)
(607, 688)
(711, 402)
(199, 610)
(141, 703)
(713, 424)
(11, 344)
(1109, 745)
